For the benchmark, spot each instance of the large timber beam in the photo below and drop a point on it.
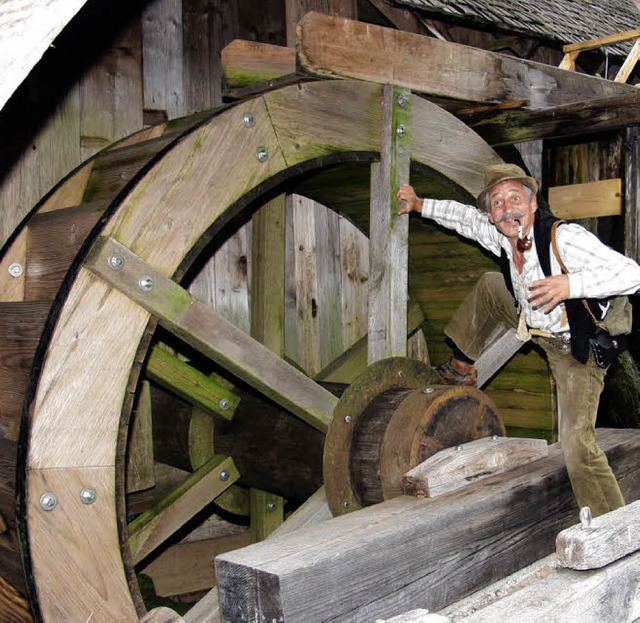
(410, 553)
(333, 46)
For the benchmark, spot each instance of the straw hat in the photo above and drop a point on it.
(497, 173)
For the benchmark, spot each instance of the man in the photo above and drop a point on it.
(559, 310)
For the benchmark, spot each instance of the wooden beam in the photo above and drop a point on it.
(196, 388)
(140, 468)
(587, 200)
(418, 553)
(213, 335)
(594, 44)
(153, 527)
(574, 119)
(329, 46)
(632, 193)
(267, 514)
(629, 63)
(246, 63)
(456, 467)
(388, 232)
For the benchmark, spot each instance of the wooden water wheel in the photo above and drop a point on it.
(146, 209)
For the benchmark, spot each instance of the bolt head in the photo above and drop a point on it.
(116, 261)
(88, 495)
(16, 269)
(347, 419)
(401, 130)
(224, 475)
(48, 501)
(224, 404)
(146, 283)
(427, 390)
(248, 120)
(346, 504)
(458, 448)
(271, 506)
(403, 98)
(262, 154)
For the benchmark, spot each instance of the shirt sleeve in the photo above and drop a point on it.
(464, 219)
(595, 270)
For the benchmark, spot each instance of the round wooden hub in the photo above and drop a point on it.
(389, 420)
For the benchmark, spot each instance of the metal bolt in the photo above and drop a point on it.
(116, 261)
(224, 475)
(146, 283)
(262, 153)
(48, 501)
(248, 120)
(271, 506)
(458, 448)
(347, 419)
(494, 438)
(224, 404)
(16, 269)
(585, 517)
(88, 495)
(400, 373)
(403, 98)
(346, 504)
(427, 390)
(401, 130)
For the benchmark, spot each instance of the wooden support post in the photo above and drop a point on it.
(632, 194)
(417, 553)
(267, 514)
(388, 232)
(629, 63)
(140, 473)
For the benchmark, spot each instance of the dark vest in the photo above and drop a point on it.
(581, 324)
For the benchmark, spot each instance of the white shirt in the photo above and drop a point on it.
(595, 270)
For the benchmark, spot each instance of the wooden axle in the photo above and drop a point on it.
(393, 417)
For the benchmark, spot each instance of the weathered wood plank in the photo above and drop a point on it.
(214, 336)
(162, 614)
(148, 530)
(602, 540)
(389, 233)
(454, 468)
(12, 269)
(587, 200)
(346, 48)
(246, 63)
(407, 548)
(140, 469)
(500, 350)
(267, 514)
(632, 193)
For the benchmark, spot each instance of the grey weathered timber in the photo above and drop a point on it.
(503, 345)
(416, 553)
(214, 336)
(389, 233)
(632, 194)
(602, 540)
(331, 46)
(544, 592)
(456, 467)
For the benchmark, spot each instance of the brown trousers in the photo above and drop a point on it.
(578, 388)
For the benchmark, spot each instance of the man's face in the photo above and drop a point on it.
(509, 206)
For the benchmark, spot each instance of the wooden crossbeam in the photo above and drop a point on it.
(212, 335)
(594, 44)
(588, 200)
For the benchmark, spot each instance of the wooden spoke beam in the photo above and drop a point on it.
(211, 334)
(190, 384)
(388, 232)
(153, 527)
(332, 46)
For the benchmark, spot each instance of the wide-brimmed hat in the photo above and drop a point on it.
(497, 173)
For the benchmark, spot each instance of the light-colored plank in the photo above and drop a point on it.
(389, 233)
(501, 348)
(13, 269)
(629, 63)
(28, 29)
(587, 200)
(214, 336)
(246, 63)
(148, 530)
(162, 614)
(601, 540)
(454, 468)
(593, 44)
